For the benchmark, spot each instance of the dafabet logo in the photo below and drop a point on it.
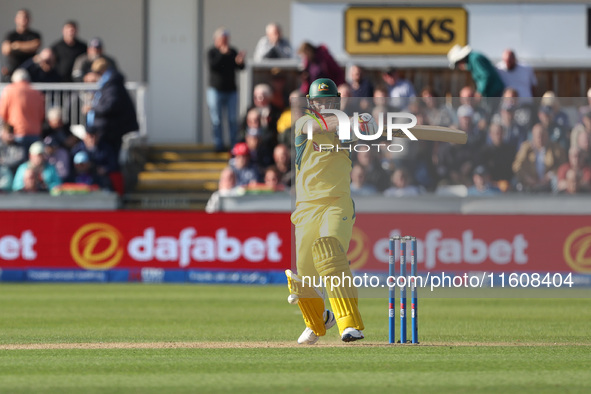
(359, 249)
(97, 246)
(577, 251)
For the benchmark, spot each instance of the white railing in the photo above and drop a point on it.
(72, 97)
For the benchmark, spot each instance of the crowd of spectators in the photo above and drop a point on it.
(39, 152)
(517, 142)
(525, 146)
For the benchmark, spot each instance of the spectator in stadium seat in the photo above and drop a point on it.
(583, 127)
(374, 173)
(485, 75)
(586, 107)
(481, 116)
(81, 71)
(573, 183)
(67, 50)
(12, 153)
(268, 113)
(381, 103)
(349, 104)
(272, 179)
(436, 113)
(260, 156)
(6, 177)
(284, 135)
(555, 120)
(24, 108)
(317, 62)
(227, 182)
(272, 45)
(85, 172)
(282, 159)
(244, 171)
(57, 157)
(498, 156)
(41, 67)
(402, 185)
(32, 182)
(20, 44)
(518, 76)
(54, 127)
(423, 168)
(537, 161)
(399, 89)
(280, 96)
(361, 86)
(481, 183)
(261, 139)
(100, 153)
(515, 133)
(222, 93)
(359, 187)
(476, 136)
(226, 187)
(36, 174)
(112, 112)
(577, 162)
(455, 163)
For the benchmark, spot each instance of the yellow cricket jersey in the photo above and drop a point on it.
(322, 171)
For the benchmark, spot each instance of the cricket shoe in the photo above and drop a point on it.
(351, 334)
(308, 337)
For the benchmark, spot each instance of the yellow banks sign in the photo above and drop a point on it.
(404, 31)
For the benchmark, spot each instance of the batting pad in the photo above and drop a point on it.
(310, 301)
(330, 260)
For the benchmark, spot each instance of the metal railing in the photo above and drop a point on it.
(73, 97)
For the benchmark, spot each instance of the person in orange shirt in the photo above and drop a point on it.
(23, 108)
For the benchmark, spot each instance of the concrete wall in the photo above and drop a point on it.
(119, 23)
(173, 64)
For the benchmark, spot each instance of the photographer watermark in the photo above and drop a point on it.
(434, 281)
(376, 129)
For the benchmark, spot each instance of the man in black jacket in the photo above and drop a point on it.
(112, 113)
(222, 92)
(67, 50)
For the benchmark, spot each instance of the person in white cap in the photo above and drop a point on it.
(485, 75)
(44, 176)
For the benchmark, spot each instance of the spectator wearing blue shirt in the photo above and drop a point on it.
(399, 89)
(482, 185)
(37, 170)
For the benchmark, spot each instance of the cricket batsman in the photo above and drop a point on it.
(323, 218)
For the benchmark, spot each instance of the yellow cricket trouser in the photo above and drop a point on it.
(333, 218)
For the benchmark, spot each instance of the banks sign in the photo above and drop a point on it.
(404, 30)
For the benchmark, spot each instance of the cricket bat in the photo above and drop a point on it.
(435, 133)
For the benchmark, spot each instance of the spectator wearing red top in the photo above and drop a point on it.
(24, 108)
(244, 171)
(317, 62)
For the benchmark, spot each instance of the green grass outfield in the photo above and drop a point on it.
(188, 338)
